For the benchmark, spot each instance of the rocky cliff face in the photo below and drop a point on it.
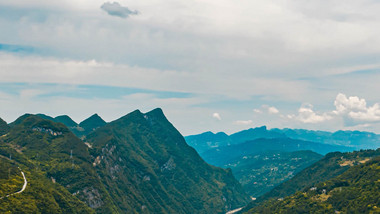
(148, 167)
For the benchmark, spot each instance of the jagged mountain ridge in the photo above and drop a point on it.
(162, 163)
(355, 139)
(105, 170)
(81, 130)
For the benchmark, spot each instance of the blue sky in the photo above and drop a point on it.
(210, 65)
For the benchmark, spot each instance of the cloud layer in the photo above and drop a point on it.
(229, 56)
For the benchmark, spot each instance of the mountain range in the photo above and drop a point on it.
(353, 139)
(140, 163)
(137, 164)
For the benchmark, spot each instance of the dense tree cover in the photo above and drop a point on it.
(66, 120)
(83, 128)
(51, 148)
(144, 159)
(41, 194)
(259, 173)
(357, 190)
(330, 166)
(137, 164)
(4, 128)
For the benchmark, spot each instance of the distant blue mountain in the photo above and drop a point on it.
(354, 139)
(225, 154)
(357, 139)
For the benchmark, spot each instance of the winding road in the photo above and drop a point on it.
(23, 187)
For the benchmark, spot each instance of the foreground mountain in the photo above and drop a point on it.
(51, 149)
(137, 164)
(148, 167)
(261, 172)
(41, 195)
(353, 139)
(357, 190)
(4, 128)
(330, 166)
(224, 155)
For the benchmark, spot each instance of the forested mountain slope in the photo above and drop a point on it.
(357, 190)
(137, 164)
(330, 166)
(147, 166)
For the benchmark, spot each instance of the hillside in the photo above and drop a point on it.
(91, 123)
(330, 166)
(223, 155)
(261, 172)
(357, 190)
(51, 148)
(66, 120)
(81, 130)
(137, 164)
(148, 167)
(41, 195)
(4, 128)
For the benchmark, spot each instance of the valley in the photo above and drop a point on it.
(140, 163)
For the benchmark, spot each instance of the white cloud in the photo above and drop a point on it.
(356, 108)
(115, 9)
(257, 111)
(344, 104)
(216, 116)
(243, 122)
(267, 109)
(256, 51)
(273, 110)
(307, 115)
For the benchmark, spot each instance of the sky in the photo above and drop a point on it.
(224, 65)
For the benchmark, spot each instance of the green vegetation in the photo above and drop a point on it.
(90, 124)
(137, 164)
(259, 173)
(148, 167)
(357, 190)
(4, 128)
(66, 120)
(41, 194)
(51, 148)
(330, 166)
